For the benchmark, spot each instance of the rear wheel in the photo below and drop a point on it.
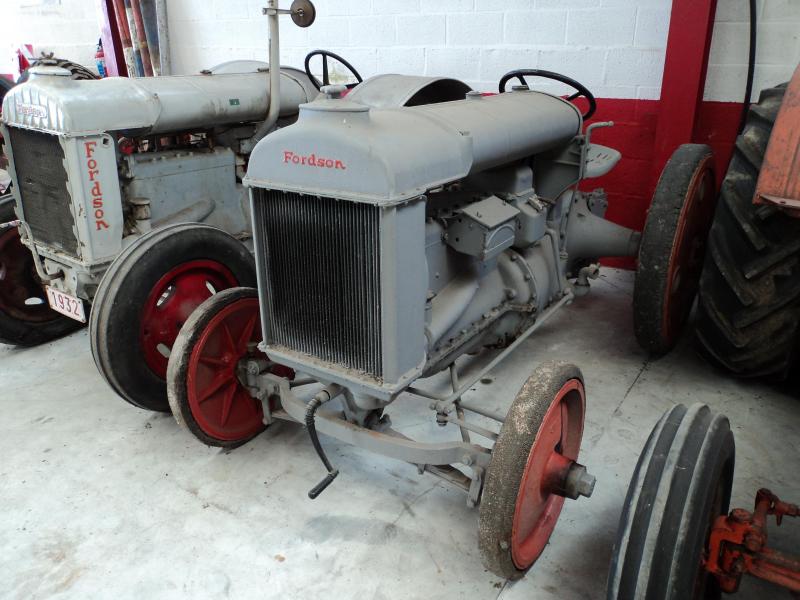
(148, 294)
(539, 439)
(749, 301)
(5, 85)
(25, 317)
(205, 375)
(672, 248)
(681, 484)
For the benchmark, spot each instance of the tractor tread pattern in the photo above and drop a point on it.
(749, 297)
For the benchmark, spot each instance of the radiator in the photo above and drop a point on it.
(42, 185)
(323, 281)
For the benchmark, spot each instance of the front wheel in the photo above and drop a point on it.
(531, 462)
(681, 484)
(148, 294)
(206, 369)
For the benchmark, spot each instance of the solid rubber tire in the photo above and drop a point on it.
(682, 481)
(114, 322)
(21, 333)
(509, 459)
(658, 238)
(179, 363)
(749, 301)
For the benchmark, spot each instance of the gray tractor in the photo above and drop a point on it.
(390, 243)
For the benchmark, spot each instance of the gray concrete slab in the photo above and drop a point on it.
(102, 500)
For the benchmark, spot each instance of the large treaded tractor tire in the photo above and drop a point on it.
(25, 317)
(749, 299)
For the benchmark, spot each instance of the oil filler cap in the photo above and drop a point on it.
(333, 92)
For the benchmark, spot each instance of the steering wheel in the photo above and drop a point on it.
(325, 75)
(521, 74)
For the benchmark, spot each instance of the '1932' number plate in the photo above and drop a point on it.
(66, 304)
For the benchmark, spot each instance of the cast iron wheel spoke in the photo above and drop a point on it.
(229, 338)
(227, 402)
(220, 382)
(247, 335)
(213, 361)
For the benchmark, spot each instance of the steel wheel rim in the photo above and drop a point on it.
(688, 250)
(537, 509)
(21, 295)
(170, 302)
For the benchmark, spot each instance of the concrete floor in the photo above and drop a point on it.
(102, 500)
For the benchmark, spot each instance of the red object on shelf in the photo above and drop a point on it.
(738, 546)
(112, 40)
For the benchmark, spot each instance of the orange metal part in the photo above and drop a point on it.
(737, 545)
(779, 180)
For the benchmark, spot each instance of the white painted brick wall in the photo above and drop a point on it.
(614, 46)
(777, 50)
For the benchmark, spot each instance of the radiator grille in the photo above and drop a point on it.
(322, 277)
(42, 181)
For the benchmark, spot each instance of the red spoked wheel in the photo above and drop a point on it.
(673, 247)
(26, 319)
(206, 370)
(171, 301)
(533, 469)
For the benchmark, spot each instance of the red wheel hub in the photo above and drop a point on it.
(170, 303)
(220, 404)
(555, 446)
(21, 294)
(688, 250)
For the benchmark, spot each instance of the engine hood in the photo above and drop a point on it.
(344, 149)
(53, 102)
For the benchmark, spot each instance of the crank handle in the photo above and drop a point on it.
(320, 487)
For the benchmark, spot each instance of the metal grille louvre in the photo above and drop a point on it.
(322, 277)
(42, 181)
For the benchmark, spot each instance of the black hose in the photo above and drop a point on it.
(751, 65)
(317, 401)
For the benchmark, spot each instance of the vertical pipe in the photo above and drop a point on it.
(141, 36)
(137, 51)
(164, 54)
(125, 37)
(274, 78)
(151, 33)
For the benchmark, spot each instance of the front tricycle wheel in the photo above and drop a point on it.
(205, 383)
(533, 469)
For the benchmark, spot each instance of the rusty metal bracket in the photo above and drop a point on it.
(738, 545)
